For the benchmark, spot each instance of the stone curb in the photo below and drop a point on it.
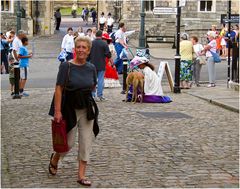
(225, 106)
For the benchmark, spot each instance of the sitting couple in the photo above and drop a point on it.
(153, 92)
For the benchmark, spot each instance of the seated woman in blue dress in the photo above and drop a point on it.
(153, 92)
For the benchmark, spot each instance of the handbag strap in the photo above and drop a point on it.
(67, 79)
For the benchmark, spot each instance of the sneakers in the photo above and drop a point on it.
(211, 85)
(24, 94)
(100, 99)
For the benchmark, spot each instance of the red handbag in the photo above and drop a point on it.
(59, 136)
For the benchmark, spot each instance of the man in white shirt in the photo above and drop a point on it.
(110, 22)
(120, 43)
(102, 22)
(68, 44)
(17, 43)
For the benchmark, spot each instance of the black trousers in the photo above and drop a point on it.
(58, 23)
(4, 60)
(109, 29)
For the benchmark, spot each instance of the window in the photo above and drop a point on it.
(149, 5)
(206, 6)
(6, 5)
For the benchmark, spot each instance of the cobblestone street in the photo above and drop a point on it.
(187, 143)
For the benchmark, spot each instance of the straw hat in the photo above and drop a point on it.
(136, 61)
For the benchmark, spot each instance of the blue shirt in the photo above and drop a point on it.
(232, 37)
(24, 62)
(3, 42)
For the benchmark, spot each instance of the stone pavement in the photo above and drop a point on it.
(219, 95)
(186, 143)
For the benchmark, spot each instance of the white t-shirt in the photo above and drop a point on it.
(102, 20)
(110, 21)
(119, 35)
(197, 48)
(68, 43)
(16, 44)
(213, 45)
(80, 34)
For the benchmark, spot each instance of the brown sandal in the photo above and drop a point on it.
(51, 166)
(84, 182)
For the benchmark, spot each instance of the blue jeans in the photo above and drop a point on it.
(118, 61)
(100, 85)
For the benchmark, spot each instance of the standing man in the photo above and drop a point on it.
(58, 16)
(4, 53)
(86, 12)
(17, 43)
(74, 10)
(110, 22)
(120, 43)
(102, 22)
(94, 15)
(99, 52)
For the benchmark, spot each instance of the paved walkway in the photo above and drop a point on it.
(187, 143)
(219, 95)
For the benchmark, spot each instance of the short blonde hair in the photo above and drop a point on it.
(84, 39)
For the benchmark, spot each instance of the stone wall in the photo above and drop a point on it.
(9, 20)
(192, 21)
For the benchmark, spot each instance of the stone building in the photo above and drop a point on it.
(37, 16)
(197, 16)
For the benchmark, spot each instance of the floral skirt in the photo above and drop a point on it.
(186, 70)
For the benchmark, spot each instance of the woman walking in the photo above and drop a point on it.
(209, 49)
(79, 110)
(68, 43)
(186, 51)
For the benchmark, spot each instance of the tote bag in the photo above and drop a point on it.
(216, 57)
(59, 136)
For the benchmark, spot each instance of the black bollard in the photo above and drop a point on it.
(125, 68)
(17, 78)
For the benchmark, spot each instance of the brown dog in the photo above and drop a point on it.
(137, 80)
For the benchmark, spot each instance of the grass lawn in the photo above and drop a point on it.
(68, 11)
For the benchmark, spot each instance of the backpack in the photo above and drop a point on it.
(112, 35)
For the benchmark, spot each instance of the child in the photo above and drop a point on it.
(11, 74)
(24, 65)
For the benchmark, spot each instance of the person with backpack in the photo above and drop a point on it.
(83, 14)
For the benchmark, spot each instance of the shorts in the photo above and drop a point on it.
(12, 81)
(24, 73)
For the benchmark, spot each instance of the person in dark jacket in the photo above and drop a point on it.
(98, 54)
(76, 80)
(94, 15)
(58, 16)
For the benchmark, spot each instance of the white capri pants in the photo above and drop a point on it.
(85, 134)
